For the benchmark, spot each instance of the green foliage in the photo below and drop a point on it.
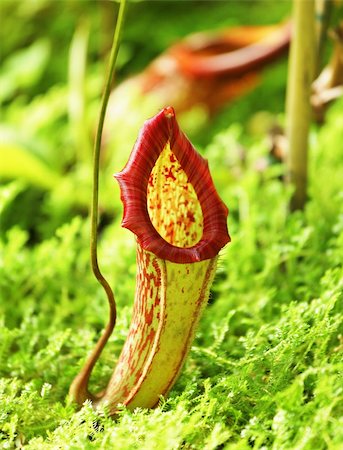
(265, 370)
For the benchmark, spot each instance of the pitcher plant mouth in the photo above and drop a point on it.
(170, 201)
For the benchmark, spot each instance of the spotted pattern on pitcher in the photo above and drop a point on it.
(140, 340)
(173, 205)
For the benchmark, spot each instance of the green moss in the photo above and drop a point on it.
(265, 370)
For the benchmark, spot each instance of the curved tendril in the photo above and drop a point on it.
(79, 388)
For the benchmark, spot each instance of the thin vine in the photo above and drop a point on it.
(96, 157)
(79, 388)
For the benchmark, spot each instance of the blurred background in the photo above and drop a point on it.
(270, 340)
(54, 57)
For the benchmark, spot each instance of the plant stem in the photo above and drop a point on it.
(96, 154)
(300, 77)
(79, 388)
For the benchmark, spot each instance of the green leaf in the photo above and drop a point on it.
(18, 162)
(24, 68)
